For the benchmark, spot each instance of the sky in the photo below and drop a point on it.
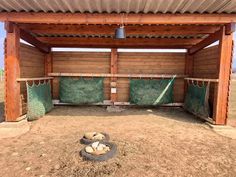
(2, 37)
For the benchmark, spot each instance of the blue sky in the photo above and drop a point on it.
(2, 36)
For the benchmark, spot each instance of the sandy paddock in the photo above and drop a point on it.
(161, 142)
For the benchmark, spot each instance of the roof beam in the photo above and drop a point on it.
(32, 40)
(86, 18)
(116, 43)
(204, 43)
(230, 28)
(110, 29)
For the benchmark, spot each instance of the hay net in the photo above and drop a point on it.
(151, 92)
(196, 99)
(80, 90)
(39, 100)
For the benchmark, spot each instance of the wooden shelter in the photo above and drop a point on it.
(152, 24)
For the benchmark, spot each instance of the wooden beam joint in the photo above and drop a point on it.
(32, 40)
(230, 28)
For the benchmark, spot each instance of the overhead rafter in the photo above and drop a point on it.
(204, 43)
(32, 40)
(114, 43)
(130, 30)
(86, 18)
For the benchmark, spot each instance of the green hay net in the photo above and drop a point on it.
(39, 100)
(196, 100)
(151, 92)
(81, 91)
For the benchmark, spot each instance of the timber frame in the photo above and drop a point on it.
(80, 29)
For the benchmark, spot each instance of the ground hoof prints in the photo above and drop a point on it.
(102, 157)
(87, 138)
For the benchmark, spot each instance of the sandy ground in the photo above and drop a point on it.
(161, 142)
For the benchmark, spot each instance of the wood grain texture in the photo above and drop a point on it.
(32, 65)
(206, 66)
(12, 72)
(128, 63)
(82, 62)
(150, 63)
(220, 113)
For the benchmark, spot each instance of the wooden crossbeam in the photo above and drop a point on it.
(117, 75)
(110, 29)
(204, 43)
(86, 18)
(116, 43)
(32, 40)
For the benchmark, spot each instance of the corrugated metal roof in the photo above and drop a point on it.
(120, 6)
(200, 36)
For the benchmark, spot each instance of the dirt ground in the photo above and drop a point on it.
(156, 142)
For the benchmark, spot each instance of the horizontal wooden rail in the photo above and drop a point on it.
(117, 75)
(202, 79)
(33, 79)
(109, 103)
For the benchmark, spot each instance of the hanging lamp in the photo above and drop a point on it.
(120, 32)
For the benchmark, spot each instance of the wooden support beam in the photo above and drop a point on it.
(114, 43)
(189, 64)
(204, 43)
(32, 40)
(33, 79)
(88, 18)
(221, 99)
(230, 28)
(48, 63)
(202, 79)
(114, 70)
(12, 72)
(49, 67)
(110, 29)
(117, 75)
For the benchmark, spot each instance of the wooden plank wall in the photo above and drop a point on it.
(81, 62)
(31, 65)
(150, 63)
(205, 65)
(130, 63)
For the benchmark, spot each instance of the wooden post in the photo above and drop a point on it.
(12, 72)
(222, 89)
(114, 70)
(189, 63)
(48, 66)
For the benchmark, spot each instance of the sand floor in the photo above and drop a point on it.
(151, 142)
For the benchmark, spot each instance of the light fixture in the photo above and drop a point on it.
(120, 32)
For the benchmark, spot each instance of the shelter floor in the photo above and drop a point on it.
(151, 142)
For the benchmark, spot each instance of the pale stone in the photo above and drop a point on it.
(149, 110)
(89, 149)
(107, 148)
(95, 145)
(99, 136)
(101, 147)
(28, 168)
(89, 135)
